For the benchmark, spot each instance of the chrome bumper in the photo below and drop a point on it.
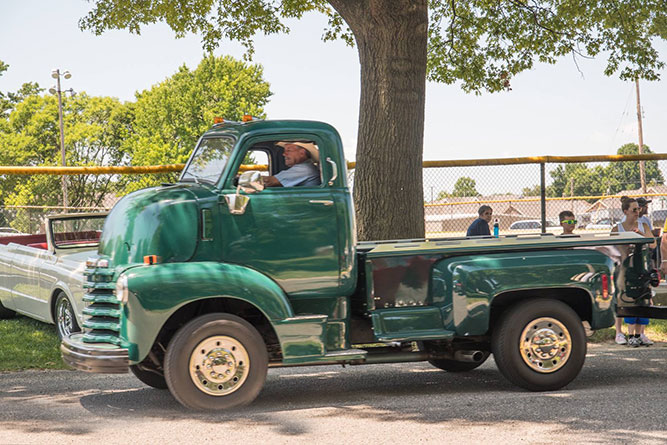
(100, 357)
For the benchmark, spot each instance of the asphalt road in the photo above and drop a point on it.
(620, 397)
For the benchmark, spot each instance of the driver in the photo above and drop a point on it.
(299, 158)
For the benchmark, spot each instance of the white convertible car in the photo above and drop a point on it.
(41, 275)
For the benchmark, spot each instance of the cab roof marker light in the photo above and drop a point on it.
(218, 120)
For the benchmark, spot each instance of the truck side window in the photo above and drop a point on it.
(257, 160)
(297, 164)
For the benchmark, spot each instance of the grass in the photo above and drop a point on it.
(656, 331)
(29, 344)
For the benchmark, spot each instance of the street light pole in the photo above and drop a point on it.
(57, 91)
(62, 140)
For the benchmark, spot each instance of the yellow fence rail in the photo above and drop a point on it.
(445, 214)
(86, 170)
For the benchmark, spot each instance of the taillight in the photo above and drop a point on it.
(605, 286)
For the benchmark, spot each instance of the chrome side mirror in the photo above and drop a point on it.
(251, 182)
(237, 203)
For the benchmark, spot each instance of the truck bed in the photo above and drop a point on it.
(463, 245)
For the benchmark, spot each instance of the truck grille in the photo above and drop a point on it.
(102, 312)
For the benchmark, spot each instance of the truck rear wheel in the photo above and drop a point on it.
(214, 362)
(539, 345)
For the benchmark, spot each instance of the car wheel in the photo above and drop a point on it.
(150, 378)
(458, 366)
(539, 345)
(217, 361)
(6, 313)
(65, 318)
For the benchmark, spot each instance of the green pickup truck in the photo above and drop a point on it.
(202, 285)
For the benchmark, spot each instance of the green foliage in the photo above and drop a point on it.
(28, 344)
(213, 20)
(95, 128)
(579, 180)
(161, 127)
(531, 191)
(485, 43)
(169, 118)
(481, 43)
(464, 186)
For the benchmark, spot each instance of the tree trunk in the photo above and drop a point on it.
(391, 36)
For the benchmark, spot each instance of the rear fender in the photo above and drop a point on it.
(469, 285)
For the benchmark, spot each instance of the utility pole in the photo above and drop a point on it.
(56, 74)
(642, 173)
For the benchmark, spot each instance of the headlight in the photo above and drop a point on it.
(122, 291)
(97, 262)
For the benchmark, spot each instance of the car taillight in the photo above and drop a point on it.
(605, 286)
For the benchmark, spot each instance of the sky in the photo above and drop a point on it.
(563, 109)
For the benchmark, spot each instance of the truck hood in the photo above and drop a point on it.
(161, 221)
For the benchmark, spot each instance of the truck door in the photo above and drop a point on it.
(288, 233)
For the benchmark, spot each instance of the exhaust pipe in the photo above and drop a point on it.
(469, 356)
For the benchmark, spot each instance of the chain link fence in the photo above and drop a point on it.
(454, 191)
(590, 190)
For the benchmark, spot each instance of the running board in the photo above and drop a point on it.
(657, 312)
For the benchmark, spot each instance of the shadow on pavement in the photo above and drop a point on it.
(612, 384)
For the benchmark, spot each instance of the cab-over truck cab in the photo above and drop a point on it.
(202, 285)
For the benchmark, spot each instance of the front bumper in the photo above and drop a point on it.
(101, 358)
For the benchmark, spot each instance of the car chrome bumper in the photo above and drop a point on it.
(99, 357)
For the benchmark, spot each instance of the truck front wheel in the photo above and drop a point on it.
(214, 362)
(150, 378)
(539, 345)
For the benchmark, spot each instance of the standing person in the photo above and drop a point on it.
(642, 203)
(480, 226)
(631, 223)
(643, 211)
(567, 222)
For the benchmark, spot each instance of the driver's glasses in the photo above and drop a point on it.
(569, 221)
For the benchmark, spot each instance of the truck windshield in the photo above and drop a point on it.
(208, 160)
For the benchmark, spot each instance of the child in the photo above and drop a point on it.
(567, 221)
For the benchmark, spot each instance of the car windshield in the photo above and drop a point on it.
(208, 160)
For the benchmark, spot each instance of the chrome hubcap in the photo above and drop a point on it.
(219, 365)
(65, 317)
(545, 345)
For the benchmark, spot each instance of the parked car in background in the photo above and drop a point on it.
(9, 231)
(534, 225)
(603, 224)
(41, 276)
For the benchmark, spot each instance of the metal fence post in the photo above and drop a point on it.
(543, 197)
